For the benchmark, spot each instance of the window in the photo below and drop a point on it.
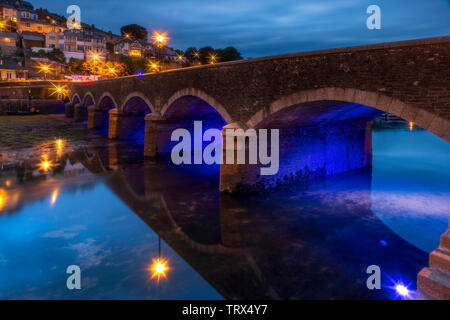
(9, 75)
(135, 53)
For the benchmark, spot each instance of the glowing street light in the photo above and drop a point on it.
(60, 91)
(45, 165)
(212, 58)
(411, 126)
(154, 66)
(94, 56)
(45, 68)
(160, 38)
(159, 267)
(180, 57)
(112, 71)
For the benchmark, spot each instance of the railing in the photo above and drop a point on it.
(16, 106)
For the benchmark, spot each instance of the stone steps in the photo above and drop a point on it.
(434, 284)
(445, 240)
(440, 260)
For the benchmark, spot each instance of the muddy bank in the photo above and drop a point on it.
(25, 137)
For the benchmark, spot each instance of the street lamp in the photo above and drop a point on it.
(154, 66)
(160, 39)
(159, 267)
(212, 58)
(60, 91)
(45, 68)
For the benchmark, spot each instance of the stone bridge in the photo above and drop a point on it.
(329, 97)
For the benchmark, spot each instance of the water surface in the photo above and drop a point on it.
(108, 211)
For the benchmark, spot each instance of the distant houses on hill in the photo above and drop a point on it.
(24, 29)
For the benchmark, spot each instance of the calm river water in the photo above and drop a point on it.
(108, 211)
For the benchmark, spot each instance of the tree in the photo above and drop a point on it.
(75, 66)
(206, 53)
(229, 54)
(134, 65)
(41, 54)
(134, 31)
(190, 53)
(56, 55)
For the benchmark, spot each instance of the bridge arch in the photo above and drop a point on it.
(75, 99)
(107, 101)
(419, 117)
(88, 99)
(192, 92)
(137, 95)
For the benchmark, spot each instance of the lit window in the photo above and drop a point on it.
(135, 53)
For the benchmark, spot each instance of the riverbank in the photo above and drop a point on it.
(22, 136)
(19, 132)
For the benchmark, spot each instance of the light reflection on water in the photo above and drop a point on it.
(301, 243)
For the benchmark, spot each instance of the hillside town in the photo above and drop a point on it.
(37, 44)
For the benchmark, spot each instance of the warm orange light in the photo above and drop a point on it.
(45, 68)
(135, 53)
(45, 165)
(8, 183)
(212, 58)
(2, 199)
(154, 66)
(160, 38)
(94, 56)
(60, 91)
(159, 268)
(411, 126)
(59, 144)
(180, 57)
(54, 197)
(59, 147)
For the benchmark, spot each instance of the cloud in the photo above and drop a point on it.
(259, 28)
(65, 233)
(89, 254)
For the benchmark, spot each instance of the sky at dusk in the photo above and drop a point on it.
(266, 27)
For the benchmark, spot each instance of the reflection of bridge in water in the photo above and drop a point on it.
(221, 237)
